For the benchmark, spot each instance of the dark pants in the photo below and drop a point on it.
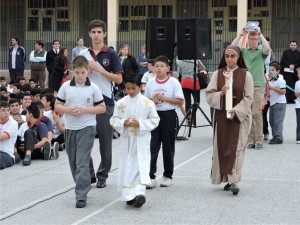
(49, 79)
(298, 123)
(290, 79)
(5, 160)
(187, 97)
(29, 141)
(165, 133)
(60, 139)
(40, 77)
(13, 74)
(105, 135)
(265, 118)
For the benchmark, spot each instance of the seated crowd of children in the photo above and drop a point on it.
(29, 126)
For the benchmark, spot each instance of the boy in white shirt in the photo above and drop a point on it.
(80, 128)
(277, 89)
(297, 106)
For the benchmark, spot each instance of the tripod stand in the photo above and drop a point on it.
(193, 108)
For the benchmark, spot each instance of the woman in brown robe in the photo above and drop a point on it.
(230, 135)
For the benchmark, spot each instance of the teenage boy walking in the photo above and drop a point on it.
(105, 68)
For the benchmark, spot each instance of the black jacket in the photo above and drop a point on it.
(130, 65)
(50, 60)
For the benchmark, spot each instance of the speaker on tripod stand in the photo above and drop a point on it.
(194, 42)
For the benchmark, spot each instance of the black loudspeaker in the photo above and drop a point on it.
(194, 38)
(160, 37)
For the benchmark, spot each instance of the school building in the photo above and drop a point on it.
(66, 20)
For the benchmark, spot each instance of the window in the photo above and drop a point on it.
(218, 23)
(232, 25)
(123, 10)
(48, 3)
(153, 11)
(249, 4)
(167, 11)
(63, 26)
(264, 13)
(33, 24)
(34, 3)
(219, 32)
(138, 25)
(260, 3)
(34, 12)
(233, 11)
(47, 24)
(219, 3)
(49, 12)
(139, 10)
(62, 3)
(123, 25)
(62, 14)
(218, 14)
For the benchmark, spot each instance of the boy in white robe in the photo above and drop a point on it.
(134, 117)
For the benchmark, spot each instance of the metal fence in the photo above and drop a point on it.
(66, 20)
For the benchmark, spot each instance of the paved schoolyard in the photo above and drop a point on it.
(43, 193)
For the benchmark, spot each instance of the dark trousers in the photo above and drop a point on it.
(5, 160)
(30, 140)
(40, 77)
(60, 139)
(165, 133)
(188, 99)
(290, 79)
(105, 135)
(265, 118)
(298, 123)
(13, 74)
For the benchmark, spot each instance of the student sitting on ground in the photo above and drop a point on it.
(33, 142)
(58, 121)
(36, 94)
(14, 107)
(8, 136)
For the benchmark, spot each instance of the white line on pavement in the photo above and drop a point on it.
(118, 199)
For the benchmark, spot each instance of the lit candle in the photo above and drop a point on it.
(228, 97)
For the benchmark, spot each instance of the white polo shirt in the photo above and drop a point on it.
(170, 87)
(87, 95)
(10, 127)
(297, 89)
(147, 76)
(274, 96)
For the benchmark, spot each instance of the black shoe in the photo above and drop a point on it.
(47, 150)
(139, 201)
(101, 183)
(17, 158)
(275, 141)
(93, 180)
(227, 187)
(80, 203)
(131, 202)
(234, 188)
(26, 160)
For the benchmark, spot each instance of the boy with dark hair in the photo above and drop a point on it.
(33, 143)
(16, 59)
(149, 74)
(26, 101)
(80, 125)
(8, 136)
(135, 116)
(21, 80)
(33, 84)
(14, 107)
(36, 94)
(167, 94)
(3, 91)
(47, 90)
(105, 67)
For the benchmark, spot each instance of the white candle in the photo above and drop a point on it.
(228, 97)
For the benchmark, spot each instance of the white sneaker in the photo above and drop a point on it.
(298, 142)
(167, 182)
(54, 150)
(153, 184)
